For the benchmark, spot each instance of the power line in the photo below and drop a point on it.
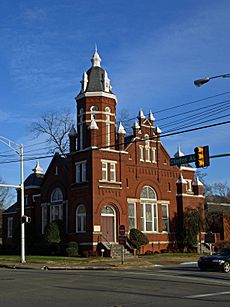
(206, 121)
(183, 104)
(133, 141)
(159, 111)
(206, 108)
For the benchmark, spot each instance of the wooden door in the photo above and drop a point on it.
(107, 228)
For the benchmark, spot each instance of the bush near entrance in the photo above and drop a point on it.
(138, 238)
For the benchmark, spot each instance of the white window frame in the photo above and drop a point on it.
(132, 217)
(81, 171)
(109, 172)
(107, 110)
(141, 148)
(94, 110)
(112, 172)
(145, 202)
(82, 218)
(165, 218)
(154, 217)
(10, 227)
(53, 215)
(56, 192)
(44, 218)
(153, 155)
(104, 171)
(147, 154)
(81, 128)
(189, 185)
(56, 204)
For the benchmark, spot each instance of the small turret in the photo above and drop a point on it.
(120, 136)
(181, 185)
(197, 186)
(93, 127)
(136, 128)
(72, 139)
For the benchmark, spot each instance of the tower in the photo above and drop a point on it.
(96, 102)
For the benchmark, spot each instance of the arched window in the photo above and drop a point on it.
(81, 128)
(107, 111)
(94, 110)
(56, 207)
(81, 219)
(149, 214)
(56, 195)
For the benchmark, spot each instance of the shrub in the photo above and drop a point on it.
(148, 253)
(52, 233)
(138, 238)
(72, 249)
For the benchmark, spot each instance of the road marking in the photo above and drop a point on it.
(191, 278)
(207, 294)
(185, 263)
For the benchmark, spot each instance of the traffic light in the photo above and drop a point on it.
(202, 156)
(26, 219)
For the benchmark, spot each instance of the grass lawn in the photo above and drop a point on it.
(164, 258)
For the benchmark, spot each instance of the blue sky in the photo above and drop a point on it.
(152, 50)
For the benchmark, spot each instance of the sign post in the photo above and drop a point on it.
(122, 239)
(210, 238)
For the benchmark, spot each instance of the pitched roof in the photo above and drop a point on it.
(34, 180)
(11, 209)
(96, 76)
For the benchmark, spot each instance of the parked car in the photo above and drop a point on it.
(219, 261)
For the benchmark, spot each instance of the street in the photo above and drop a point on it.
(157, 286)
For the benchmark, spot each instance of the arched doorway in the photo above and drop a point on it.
(108, 224)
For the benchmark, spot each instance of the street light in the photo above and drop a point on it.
(14, 146)
(202, 81)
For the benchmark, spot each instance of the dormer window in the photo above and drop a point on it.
(106, 82)
(84, 82)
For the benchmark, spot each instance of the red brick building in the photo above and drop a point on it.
(108, 179)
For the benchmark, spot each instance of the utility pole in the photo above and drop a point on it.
(14, 146)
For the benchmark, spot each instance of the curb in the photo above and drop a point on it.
(46, 268)
(79, 268)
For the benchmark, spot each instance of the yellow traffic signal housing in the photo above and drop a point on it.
(26, 219)
(202, 156)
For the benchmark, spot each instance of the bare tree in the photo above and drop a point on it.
(55, 125)
(5, 196)
(124, 118)
(218, 192)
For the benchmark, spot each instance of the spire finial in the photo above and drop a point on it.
(96, 60)
(141, 114)
(121, 129)
(37, 169)
(93, 125)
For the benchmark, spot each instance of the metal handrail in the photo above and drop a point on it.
(110, 245)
